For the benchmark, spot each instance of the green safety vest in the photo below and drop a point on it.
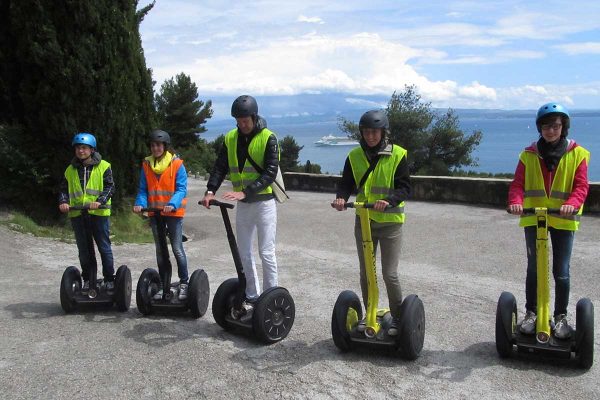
(535, 190)
(93, 188)
(256, 150)
(380, 182)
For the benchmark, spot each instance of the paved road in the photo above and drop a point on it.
(457, 258)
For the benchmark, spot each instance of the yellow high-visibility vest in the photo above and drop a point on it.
(562, 185)
(256, 150)
(79, 196)
(380, 182)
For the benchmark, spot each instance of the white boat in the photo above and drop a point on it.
(331, 140)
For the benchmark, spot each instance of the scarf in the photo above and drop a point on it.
(552, 153)
(161, 164)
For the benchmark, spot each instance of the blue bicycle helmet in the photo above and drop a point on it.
(84, 138)
(553, 109)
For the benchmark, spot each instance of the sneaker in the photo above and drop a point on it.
(158, 295)
(562, 330)
(247, 306)
(183, 288)
(86, 287)
(362, 325)
(393, 329)
(110, 287)
(528, 324)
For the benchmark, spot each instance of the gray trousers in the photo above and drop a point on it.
(389, 237)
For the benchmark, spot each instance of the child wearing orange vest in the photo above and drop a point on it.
(163, 185)
(552, 173)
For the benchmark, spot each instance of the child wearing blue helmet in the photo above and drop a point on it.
(551, 173)
(88, 181)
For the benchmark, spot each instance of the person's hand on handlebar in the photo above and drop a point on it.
(94, 205)
(567, 209)
(516, 209)
(234, 196)
(168, 209)
(207, 198)
(380, 205)
(137, 209)
(64, 207)
(339, 204)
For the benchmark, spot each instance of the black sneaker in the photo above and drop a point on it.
(393, 330)
(110, 287)
(86, 287)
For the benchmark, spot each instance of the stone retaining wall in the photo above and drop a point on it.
(482, 191)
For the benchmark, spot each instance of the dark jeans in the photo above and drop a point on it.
(85, 244)
(175, 228)
(562, 245)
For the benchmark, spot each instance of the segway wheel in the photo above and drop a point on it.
(148, 285)
(223, 300)
(585, 333)
(274, 314)
(69, 285)
(506, 324)
(412, 327)
(347, 311)
(198, 293)
(123, 288)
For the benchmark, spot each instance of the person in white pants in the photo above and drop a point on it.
(250, 155)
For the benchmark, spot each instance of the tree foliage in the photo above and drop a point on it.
(435, 143)
(180, 112)
(67, 67)
(289, 154)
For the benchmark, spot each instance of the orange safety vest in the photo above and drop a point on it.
(162, 187)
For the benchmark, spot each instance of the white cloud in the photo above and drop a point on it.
(580, 48)
(312, 20)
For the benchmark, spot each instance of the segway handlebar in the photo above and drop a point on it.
(531, 211)
(351, 204)
(87, 207)
(218, 203)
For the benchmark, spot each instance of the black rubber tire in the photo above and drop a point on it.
(123, 288)
(274, 314)
(198, 293)
(148, 285)
(223, 300)
(412, 327)
(346, 300)
(69, 285)
(585, 333)
(506, 324)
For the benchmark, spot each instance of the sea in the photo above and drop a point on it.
(505, 135)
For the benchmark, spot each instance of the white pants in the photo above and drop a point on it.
(251, 219)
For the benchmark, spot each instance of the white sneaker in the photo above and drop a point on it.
(183, 288)
(158, 295)
(562, 330)
(362, 325)
(528, 324)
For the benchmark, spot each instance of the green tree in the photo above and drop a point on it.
(289, 154)
(68, 67)
(199, 157)
(180, 112)
(435, 143)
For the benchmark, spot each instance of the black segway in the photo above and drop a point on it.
(150, 281)
(508, 333)
(347, 311)
(71, 294)
(271, 318)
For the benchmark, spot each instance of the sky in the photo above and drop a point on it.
(459, 54)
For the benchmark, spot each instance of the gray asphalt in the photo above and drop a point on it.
(457, 258)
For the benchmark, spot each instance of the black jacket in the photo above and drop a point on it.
(401, 191)
(84, 176)
(266, 178)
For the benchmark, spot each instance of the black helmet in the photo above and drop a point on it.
(374, 119)
(160, 136)
(244, 106)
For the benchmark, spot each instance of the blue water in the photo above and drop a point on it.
(504, 137)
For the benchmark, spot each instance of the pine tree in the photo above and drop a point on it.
(66, 67)
(180, 112)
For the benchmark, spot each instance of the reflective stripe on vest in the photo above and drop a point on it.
(93, 188)
(256, 150)
(380, 182)
(535, 191)
(162, 187)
